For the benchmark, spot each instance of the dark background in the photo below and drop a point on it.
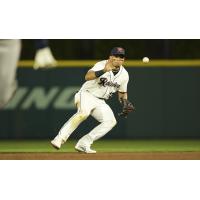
(135, 49)
(166, 98)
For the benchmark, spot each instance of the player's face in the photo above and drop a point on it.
(117, 60)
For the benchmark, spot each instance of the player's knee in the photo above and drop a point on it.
(7, 91)
(111, 123)
(5, 98)
(82, 116)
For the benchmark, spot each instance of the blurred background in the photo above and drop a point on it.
(135, 49)
(165, 91)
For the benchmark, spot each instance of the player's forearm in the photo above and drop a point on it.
(91, 75)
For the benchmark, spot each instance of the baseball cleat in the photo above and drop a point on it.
(84, 149)
(56, 143)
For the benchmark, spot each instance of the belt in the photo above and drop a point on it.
(95, 96)
(101, 98)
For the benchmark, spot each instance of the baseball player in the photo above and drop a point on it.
(43, 56)
(102, 80)
(9, 55)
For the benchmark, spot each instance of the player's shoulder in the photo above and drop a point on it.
(125, 72)
(102, 62)
(99, 65)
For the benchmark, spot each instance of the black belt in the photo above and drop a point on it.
(101, 98)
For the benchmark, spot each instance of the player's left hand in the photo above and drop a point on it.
(44, 59)
(127, 108)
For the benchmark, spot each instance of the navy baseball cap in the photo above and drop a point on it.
(117, 51)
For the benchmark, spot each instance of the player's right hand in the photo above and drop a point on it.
(109, 66)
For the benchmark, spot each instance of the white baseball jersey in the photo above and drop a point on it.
(107, 84)
(88, 103)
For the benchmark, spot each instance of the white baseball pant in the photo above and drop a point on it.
(88, 104)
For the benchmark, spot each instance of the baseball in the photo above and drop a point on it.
(145, 59)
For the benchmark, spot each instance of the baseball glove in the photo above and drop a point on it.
(127, 107)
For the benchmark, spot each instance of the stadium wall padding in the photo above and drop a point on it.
(167, 102)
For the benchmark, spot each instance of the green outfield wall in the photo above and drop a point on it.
(166, 95)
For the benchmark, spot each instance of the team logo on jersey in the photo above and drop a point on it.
(104, 82)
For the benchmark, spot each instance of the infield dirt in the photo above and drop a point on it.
(102, 156)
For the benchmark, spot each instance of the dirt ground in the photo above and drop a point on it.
(102, 156)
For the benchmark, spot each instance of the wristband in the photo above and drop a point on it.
(99, 73)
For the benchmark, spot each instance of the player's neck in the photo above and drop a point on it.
(115, 71)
